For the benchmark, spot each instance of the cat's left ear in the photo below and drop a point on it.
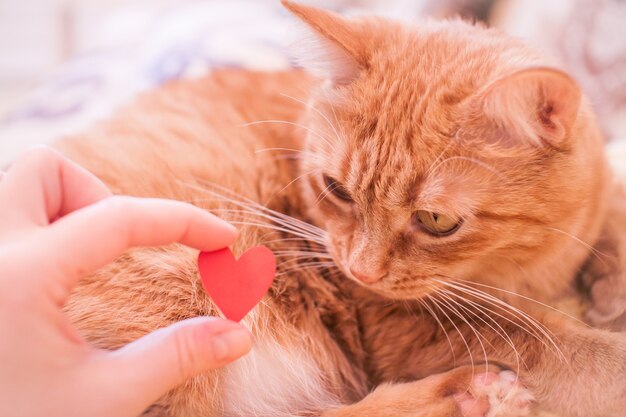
(337, 48)
(536, 106)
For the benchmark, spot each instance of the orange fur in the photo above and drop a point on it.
(444, 117)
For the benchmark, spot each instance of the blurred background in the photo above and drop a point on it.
(67, 63)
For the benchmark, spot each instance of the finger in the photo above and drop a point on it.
(156, 363)
(42, 185)
(96, 235)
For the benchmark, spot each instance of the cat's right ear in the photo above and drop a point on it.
(535, 106)
(332, 47)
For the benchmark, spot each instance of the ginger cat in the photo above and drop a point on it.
(410, 187)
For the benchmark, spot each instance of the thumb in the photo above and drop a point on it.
(161, 360)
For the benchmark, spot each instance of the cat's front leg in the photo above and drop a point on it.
(463, 392)
(582, 375)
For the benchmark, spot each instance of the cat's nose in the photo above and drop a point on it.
(367, 277)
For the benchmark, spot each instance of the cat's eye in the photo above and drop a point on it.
(333, 186)
(436, 223)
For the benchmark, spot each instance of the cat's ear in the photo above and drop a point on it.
(335, 49)
(536, 106)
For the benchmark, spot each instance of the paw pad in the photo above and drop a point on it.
(496, 395)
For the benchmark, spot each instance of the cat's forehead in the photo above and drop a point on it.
(402, 126)
(417, 80)
(409, 107)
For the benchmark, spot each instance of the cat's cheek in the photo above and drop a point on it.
(338, 250)
(340, 232)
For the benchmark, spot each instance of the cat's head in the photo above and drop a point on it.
(441, 151)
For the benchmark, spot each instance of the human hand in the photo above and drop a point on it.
(57, 223)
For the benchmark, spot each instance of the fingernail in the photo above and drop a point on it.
(231, 345)
(230, 227)
(229, 230)
(225, 224)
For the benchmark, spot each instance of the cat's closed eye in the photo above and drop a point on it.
(337, 189)
(436, 224)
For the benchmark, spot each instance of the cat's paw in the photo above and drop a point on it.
(495, 394)
(608, 296)
(603, 278)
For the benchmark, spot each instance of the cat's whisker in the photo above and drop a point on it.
(418, 319)
(310, 106)
(411, 310)
(298, 243)
(434, 163)
(453, 304)
(325, 192)
(507, 339)
(305, 236)
(298, 261)
(296, 226)
(507, 319)
(450, 297)
(517, 313)
(296, 264)
(295, 241)
(305, 266)
(289, 224)
(274, 217)
(449, 302)
(496, 302)
(469, 350)
(482, 309)
(280, 149)
(517, 265)
(278, 229)
(196, 186)
(280, 225)
(252, 205)
(308, 129)
(593, 250)
(500, 331)
(505, 307)
(293, 250)
(532, 300)
(472, 160)
(303, 253)
(314, 171)
(423, 303)
(332, 107)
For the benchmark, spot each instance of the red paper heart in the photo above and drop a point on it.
(236, 286)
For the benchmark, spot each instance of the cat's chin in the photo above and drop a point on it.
(416, 290)
(391, 287)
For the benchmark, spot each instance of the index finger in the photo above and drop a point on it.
(95, 235)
